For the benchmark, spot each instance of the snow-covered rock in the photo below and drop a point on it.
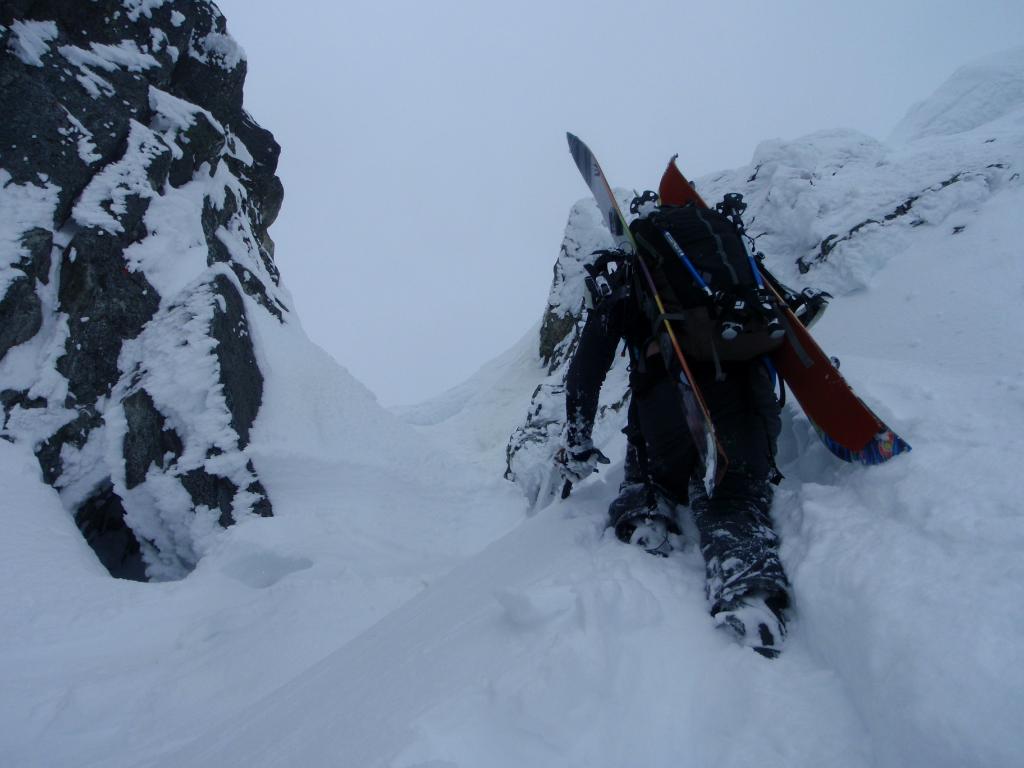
(135, 195)
(534, 442)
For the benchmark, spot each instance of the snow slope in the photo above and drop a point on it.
(558, 646)
(400, 610)
(472, 420)
(100, 671)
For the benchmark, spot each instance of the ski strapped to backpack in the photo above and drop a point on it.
(711, 284)
(849, 429)
(698, 418)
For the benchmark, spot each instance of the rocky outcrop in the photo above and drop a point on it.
(832, 208)
(135, 197)
(532, 445)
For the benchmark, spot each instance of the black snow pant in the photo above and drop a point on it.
(739, 545)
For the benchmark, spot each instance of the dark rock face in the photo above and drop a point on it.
(142, 194)
(37, 243)
(243, 382)
(148, 439)
(75, 434)
(21, 314)
(105, 304)
(101, 520)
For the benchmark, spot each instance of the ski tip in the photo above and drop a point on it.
(879, 449)
(583, 158)
(676, 189)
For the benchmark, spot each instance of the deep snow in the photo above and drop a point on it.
(402, 610)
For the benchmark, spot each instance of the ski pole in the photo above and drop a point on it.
(754, 268)
(686, 261)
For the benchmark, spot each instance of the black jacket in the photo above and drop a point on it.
(614, 319)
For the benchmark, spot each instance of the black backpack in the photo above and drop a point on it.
(719, 306)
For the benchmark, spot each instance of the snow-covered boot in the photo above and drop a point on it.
(756, 621)
(652, 534)
(643, 515)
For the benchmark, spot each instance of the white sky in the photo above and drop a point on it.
(427, 179)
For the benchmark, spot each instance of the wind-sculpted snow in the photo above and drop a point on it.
(135, 197)
(840, 205)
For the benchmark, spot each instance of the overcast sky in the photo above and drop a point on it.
(427, 179)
